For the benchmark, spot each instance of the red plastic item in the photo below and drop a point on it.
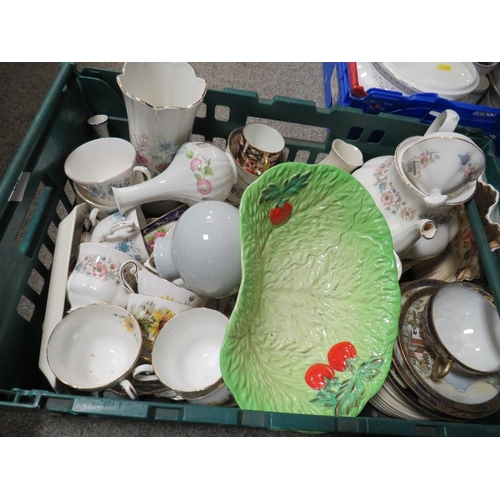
(356, 89)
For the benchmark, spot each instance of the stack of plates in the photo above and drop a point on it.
(492, 97)
(410, 391)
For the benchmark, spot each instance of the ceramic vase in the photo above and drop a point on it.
(200, 171)
(161, 99)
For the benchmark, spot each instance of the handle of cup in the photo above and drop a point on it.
(144, 171)
(144, 373)
(446, 121)
(134, 271)
(128, 225)
(266, 165)
(129, 389)
(93, 216)
(441, 373)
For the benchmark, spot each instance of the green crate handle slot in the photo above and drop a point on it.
(35, 134)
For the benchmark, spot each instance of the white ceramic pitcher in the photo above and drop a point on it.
(161, 99)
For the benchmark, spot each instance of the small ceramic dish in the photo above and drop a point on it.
(487, 202)
(160, 226)
(315, 319)
(462, 325)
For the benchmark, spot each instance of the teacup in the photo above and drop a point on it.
(96, 277)
(121, 232)
(185, 357)
(204, 250)
(152, 313)
(260, 148)
(95, 348)
(344, 155)
(99, 165)
(463, 327)
(440, 164)
(148, 283)
(245, 178)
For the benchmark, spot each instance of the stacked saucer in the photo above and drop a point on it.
(411, 391)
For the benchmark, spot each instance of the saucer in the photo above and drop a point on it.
(105, 209)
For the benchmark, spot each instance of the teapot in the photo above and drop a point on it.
(420, 230)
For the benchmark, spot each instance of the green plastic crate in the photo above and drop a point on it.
(28, 232)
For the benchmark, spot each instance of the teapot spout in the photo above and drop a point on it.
(405, 236)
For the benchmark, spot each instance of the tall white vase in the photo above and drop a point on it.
(161, 99)
(200, 171)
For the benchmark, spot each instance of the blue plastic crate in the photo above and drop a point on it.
(341, 91)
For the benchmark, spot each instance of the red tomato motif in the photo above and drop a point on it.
(279, 215)
(316, 374)
(339, 354)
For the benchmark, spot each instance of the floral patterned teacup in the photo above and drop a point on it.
(121, 232)
(97, 166)
(152, 313)
(96, 277)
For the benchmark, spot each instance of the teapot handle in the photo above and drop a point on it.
(446, 121)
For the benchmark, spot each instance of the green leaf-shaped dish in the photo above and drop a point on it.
(318, 270)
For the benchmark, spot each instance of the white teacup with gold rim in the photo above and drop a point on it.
(95, 348)
(463, 328)
(185, 357)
